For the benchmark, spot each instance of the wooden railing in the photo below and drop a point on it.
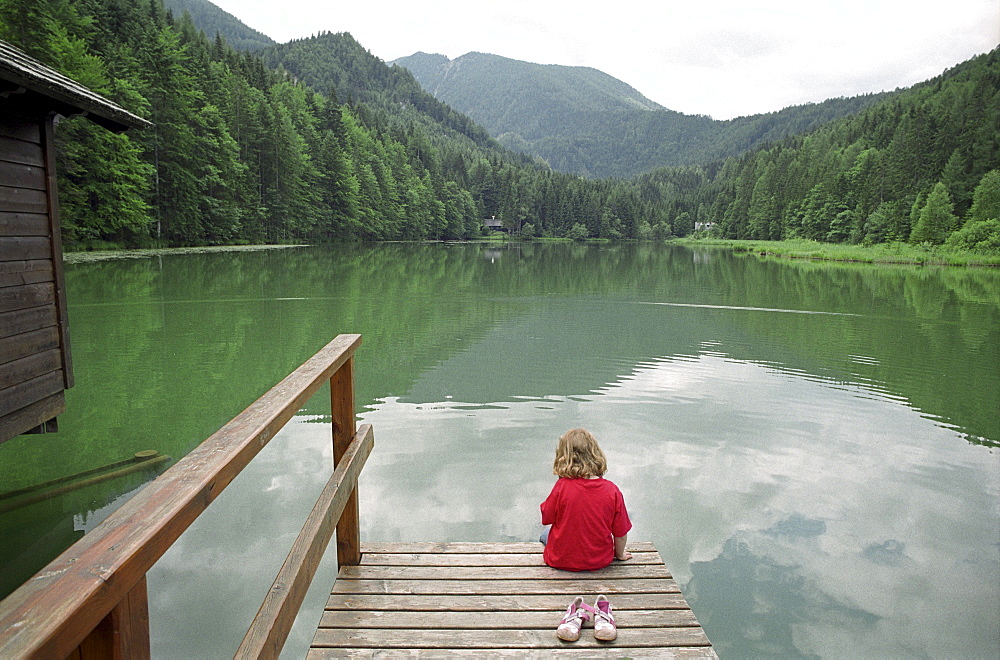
(91, 600)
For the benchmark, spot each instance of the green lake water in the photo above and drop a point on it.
(812, 447)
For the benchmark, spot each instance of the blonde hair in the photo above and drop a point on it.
(578, 455)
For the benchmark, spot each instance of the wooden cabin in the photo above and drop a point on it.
(35, 364)
(494, 224)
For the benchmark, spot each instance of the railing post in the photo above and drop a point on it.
(344, 428)
(124, 633)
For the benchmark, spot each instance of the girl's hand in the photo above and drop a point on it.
(625, 557)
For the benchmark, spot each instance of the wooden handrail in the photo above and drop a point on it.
(103, 574)
(274, 621)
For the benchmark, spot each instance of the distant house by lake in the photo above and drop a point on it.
(35, 362)
(494, 224)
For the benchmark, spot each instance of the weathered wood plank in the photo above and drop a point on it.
(273, 622)
(20, 129)
(344, 422)
(20, 175)
(22, 151)
(615, 571)
(22, 266)
(618, 651)
(30, 295)
(124, 633)
(30, 391)
(19, 371)
(24, 248)
(610, 585)
(55, 248)
(19, 346)
(27, 418)
(475, 548)
(511, 639)
(24, 279)
(498, 600)
(494, 603)
(511, 619)
(23, 321)
(24, 224)
(494, 559)
(35, 272)
(22, 200)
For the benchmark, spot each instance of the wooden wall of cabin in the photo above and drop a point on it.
(35, 365)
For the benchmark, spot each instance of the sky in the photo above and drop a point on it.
(722, 58)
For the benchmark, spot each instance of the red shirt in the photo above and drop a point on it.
(585, 515)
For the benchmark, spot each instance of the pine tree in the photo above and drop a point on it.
(936, 218)
(102, 185)
(29, 25)
(171, 143)
(986, 199)
(219, 175)
(338, 185)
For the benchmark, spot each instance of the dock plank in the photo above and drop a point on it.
(493, 603)
(478, 548)
(530, 620)
(459, 587)
(381, 638)
(625, 570)
(485, 559)
(672, 653)
(498, 600)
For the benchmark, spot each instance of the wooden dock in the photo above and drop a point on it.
(499, 599)
(389, 600)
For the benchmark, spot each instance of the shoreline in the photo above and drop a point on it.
(884, 254)
(888, 254)
(104, 255)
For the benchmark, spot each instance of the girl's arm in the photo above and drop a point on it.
(620, 552)
(551, 504)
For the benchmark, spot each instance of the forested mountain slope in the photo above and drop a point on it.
(625, 143)
(241, 152)
(586, 122)
(915, 167)
(339, 65)
(212, 20)
(504, 94)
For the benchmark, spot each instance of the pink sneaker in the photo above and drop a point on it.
(576, 615)
(604, 620)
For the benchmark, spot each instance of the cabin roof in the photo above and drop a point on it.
(24, 74)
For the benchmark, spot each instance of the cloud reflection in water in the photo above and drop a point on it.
(796, 521)
(802, 516)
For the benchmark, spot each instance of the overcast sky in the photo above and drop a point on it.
(723, 58)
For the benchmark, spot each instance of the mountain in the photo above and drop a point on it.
(914, 167)
(336, 63)
(333, 144)
(583, 121)
(504, 95)
(846, 170)
(627, 143)
(211, 20)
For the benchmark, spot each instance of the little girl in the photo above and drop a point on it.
(587, 512)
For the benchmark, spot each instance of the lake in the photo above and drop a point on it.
(812, 447)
